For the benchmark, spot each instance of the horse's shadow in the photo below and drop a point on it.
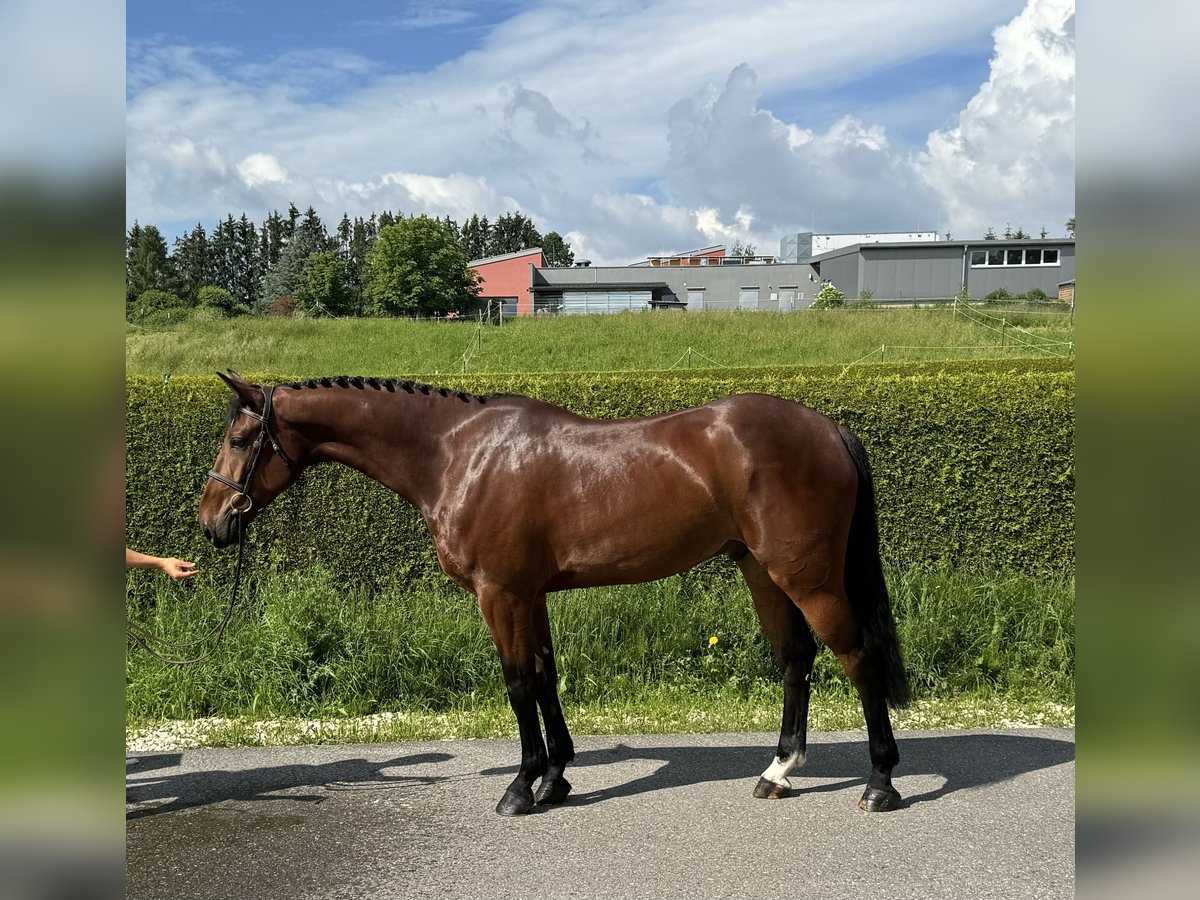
(963, 761)
(189, 789)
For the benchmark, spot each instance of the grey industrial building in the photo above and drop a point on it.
(896, 272)
(912, 271)
(596, 289)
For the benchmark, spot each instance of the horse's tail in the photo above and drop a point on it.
(865, 585)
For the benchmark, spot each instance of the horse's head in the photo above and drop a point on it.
(253, 466)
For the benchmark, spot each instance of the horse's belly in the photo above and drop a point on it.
(640, 543)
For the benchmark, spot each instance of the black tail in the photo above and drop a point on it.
(864, 581)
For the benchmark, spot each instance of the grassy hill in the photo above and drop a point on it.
(594, 343)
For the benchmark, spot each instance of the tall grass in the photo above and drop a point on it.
(309, 347)
(302, 646)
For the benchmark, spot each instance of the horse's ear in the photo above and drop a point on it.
(249, 394)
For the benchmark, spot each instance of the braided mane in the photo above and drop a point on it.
(391, 385)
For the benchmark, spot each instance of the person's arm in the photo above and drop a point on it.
(176, 568)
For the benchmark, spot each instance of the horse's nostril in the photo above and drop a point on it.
(208, 535)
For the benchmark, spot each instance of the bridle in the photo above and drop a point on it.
(141, 634)
(242, 488)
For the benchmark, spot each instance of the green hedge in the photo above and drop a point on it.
(974, 462)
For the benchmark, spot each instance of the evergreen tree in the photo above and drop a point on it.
(191, 264)
(512, 232)
(132, 238)
(416, 267)
(475, 237)
(248, 268)
(289, 228)
(273, 238)
(386, 219)
(989, 235)
(149, 267)
(313, 230)
(286, 276)
(556, 251)
(1020, 234)
(1071, 227)
(344, 232)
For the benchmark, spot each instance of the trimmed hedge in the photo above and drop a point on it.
(974, 462)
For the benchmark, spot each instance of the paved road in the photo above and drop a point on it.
(988, 814)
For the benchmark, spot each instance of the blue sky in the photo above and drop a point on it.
(628, 126)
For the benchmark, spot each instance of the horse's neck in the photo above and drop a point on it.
(394, 438)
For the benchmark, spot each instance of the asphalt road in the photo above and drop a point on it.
(987, 814)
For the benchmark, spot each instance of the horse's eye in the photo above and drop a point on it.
(237, 444)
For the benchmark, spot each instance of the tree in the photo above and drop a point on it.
(1020, 234)
(557, 251)
(475, 237)
(511, 233)
(1071, 227)
(148, 267)
(828, 297)
(743, 251)
(416, 267)
(285, 276)
(1007, 232)
(191, 264)
(1044, 232)
(989, 235)
(323, 290)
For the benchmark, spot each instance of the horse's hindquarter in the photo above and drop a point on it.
(573, 502)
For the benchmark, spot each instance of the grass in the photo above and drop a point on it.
(310, 347)
(315, 660)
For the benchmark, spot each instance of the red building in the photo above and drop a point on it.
(507, 279)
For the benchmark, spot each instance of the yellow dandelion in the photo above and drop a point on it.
(712, 641)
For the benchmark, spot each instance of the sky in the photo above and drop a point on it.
(631, 128)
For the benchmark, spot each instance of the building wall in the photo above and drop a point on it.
(935, 271)
(721, 284)
(1017, 280)
(911, 273)
(508, 276)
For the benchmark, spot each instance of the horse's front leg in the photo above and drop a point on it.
(554, 787)
(510, 619)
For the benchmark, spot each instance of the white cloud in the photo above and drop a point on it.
(261, 168)
(1011, 155)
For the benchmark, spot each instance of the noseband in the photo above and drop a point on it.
(264, 434)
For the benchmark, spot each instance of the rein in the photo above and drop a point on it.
(143, 635)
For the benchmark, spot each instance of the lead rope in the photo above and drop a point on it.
(145, 637)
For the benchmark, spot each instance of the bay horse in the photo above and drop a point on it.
(524, 498)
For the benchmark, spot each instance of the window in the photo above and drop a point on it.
(584, 302)
(748, 298)
(1015, 256)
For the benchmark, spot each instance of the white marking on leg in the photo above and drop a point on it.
(779, 769)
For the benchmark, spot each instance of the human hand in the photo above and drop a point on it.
(178, 568)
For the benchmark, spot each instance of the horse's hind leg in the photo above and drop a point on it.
(794, 650)
(832, 618)
(510, 619)
(554, 787)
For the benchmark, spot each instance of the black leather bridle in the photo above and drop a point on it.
(264, 434)
(152, 641)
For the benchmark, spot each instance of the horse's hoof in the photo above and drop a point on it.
(769, 790)
(553, 790)
(879, 799)
(515, 803)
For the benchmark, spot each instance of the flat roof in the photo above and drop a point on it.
(598, 286)
(979, 243)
